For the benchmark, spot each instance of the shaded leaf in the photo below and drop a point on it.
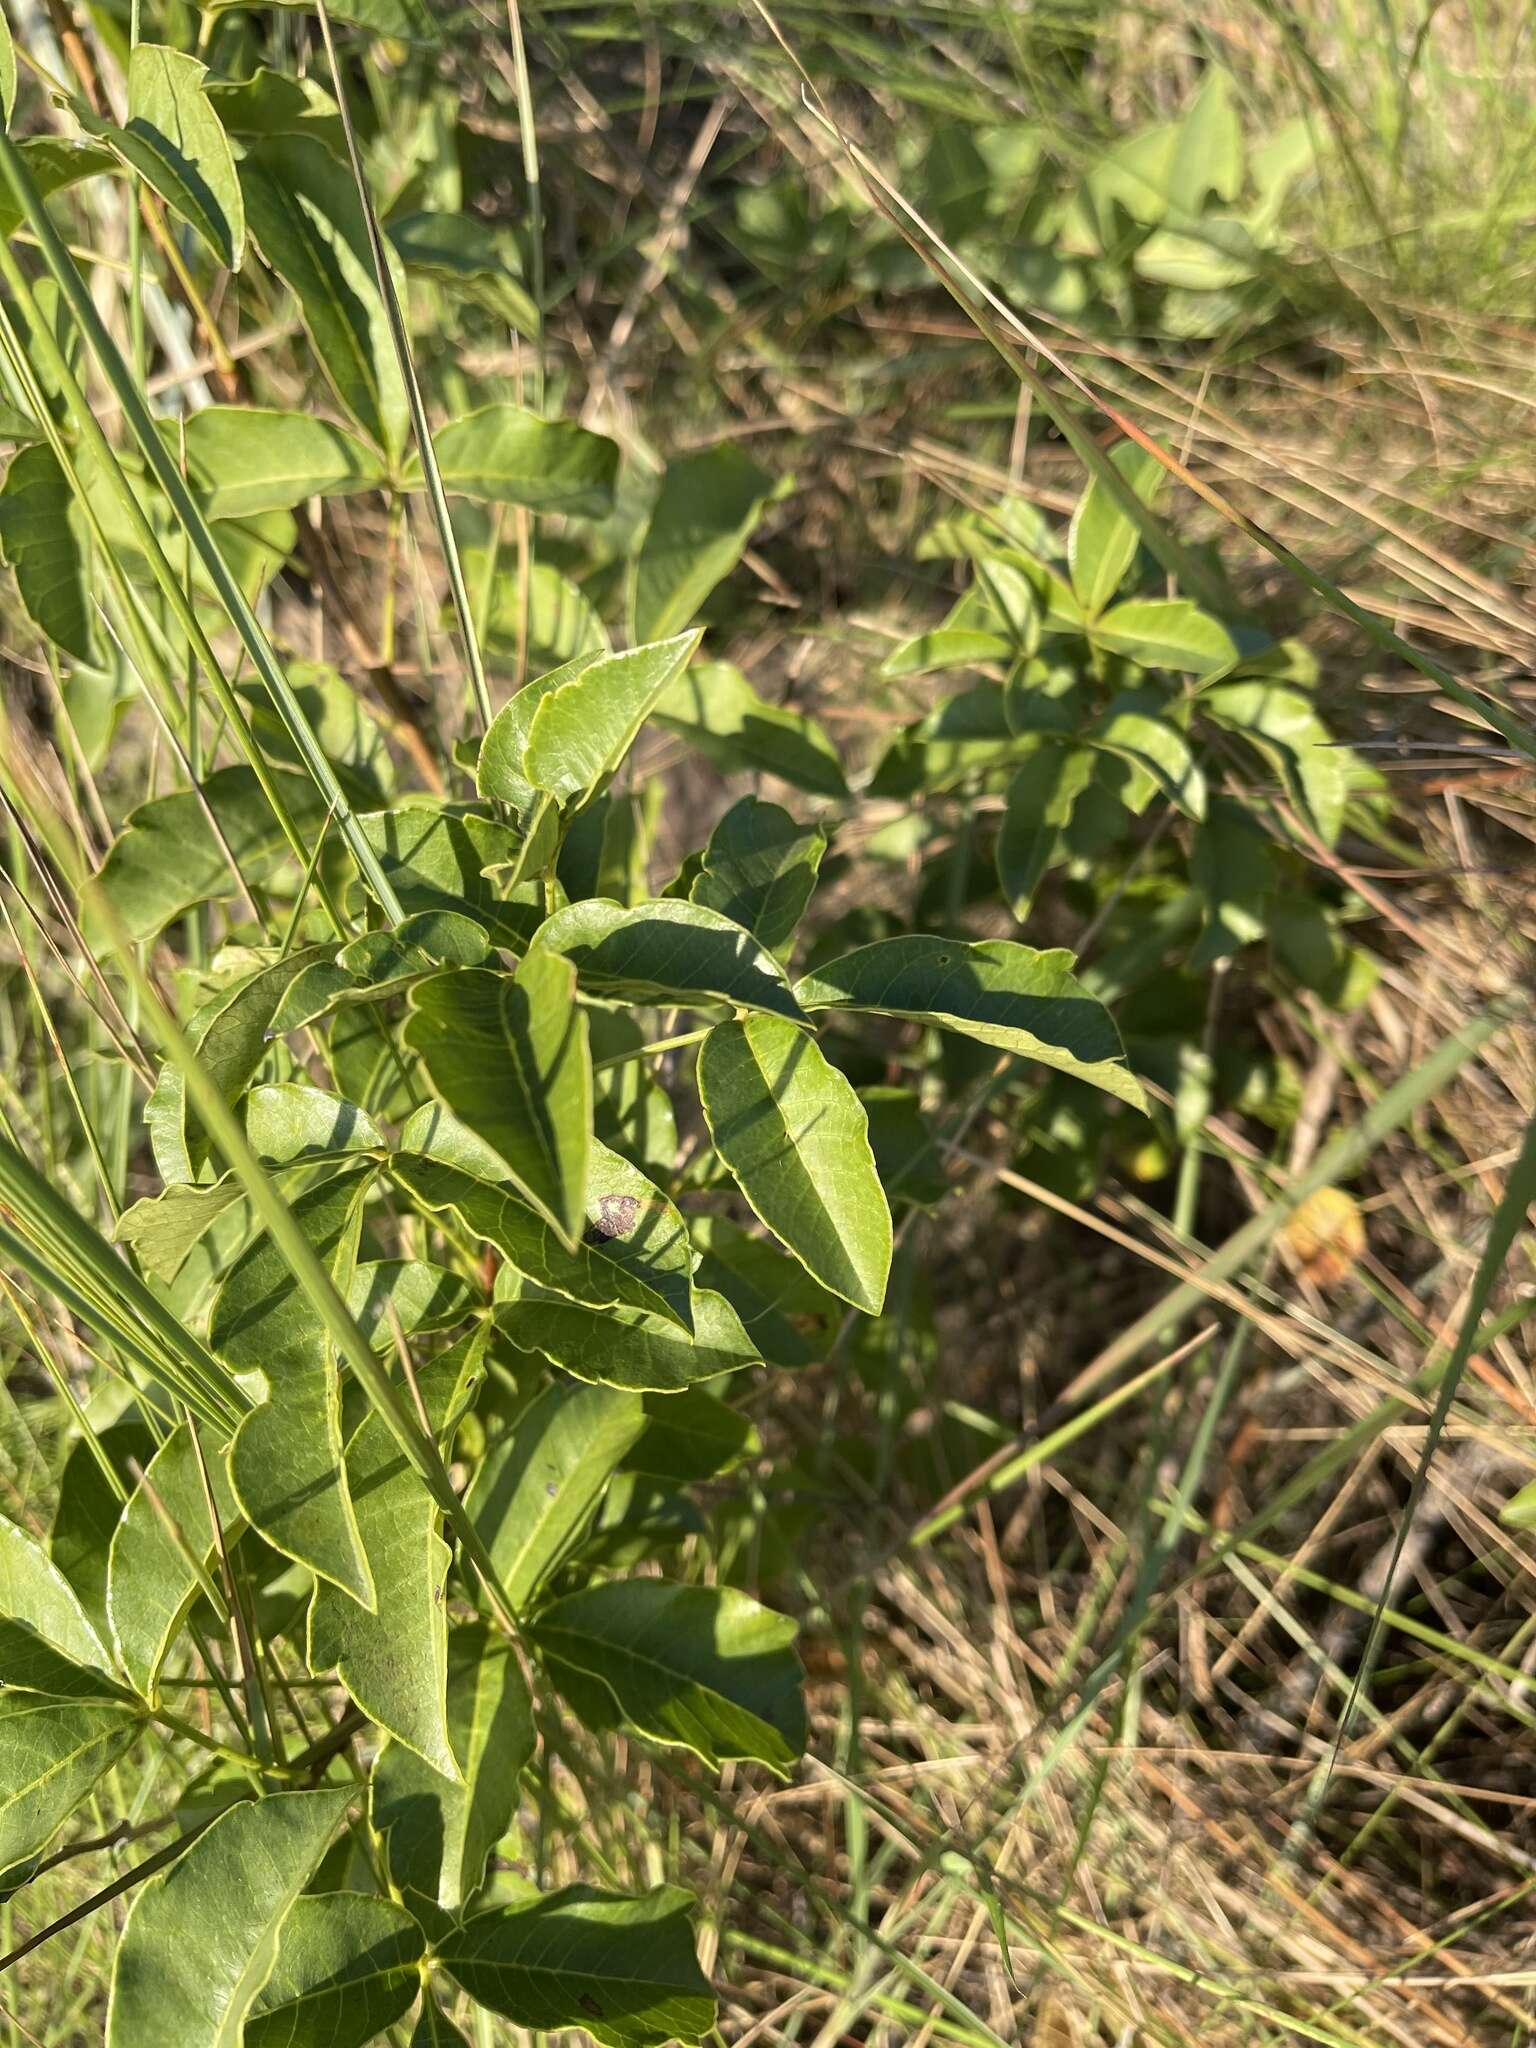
(508, 1055)
(692, 1436)
(1038, 809)
(715, 709)
(151, 1584)
(678, 951)
(286, 1461)
(171, 1983)
(348, 1965)
(622, 1348)
(89, 1508)
(304, 212)
(394, 1662)
(759, 869)
(48, 551)
(439, 1831)
(702, 1667)
(539, 1485)
(462, 252)
(795, 1137)
(706, 511)
(1007, 995)
(622, 1968)
(435, 857)
(767, 1288)
(167, 858)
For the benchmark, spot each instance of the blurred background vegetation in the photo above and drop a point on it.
(1293, 246)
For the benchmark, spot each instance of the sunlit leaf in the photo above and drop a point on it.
(540, 1484)
(703, 1667)
(198, 1941)
(623, 1969)
(1006, 995)
(796, 1140)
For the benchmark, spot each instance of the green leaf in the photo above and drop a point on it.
(272, 103)
(167, 858)
(1233, 868)
(89, 1509)
(1284, 726)
(460, 251)
(1041, 799)
(7, 73)
(500, 775)
(406, 21)
(229, 1037)
(199, 1938)
(286, 1460)
(439, 1831)
(622, 1968)
(759, 869)
(1208, 154)
(539, 1485)
(410, 1295)
(348, 1966)
(34, 1592)
(679, 952)
(177, 144)
(433, 2027)
(1102, 539)
(1007, 995)
(1137, 728)
(622, 1348)
(715, 709)
(162, 1230)
(52, 1752)
(55, 162)
(947, 647)
(306, 217)
(46, 546)
(562, 623)
(394, 1662)
(151, 1583)
(435, 857)
(505, 456)
(287, 1121)
(243, 461)
(1166, 632)
(602, 1271)
(768, 1290)
(508, 1055)
(705, 514)
(691, 1437)
(701, 1667)
(796, 1140)
(582, 729)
